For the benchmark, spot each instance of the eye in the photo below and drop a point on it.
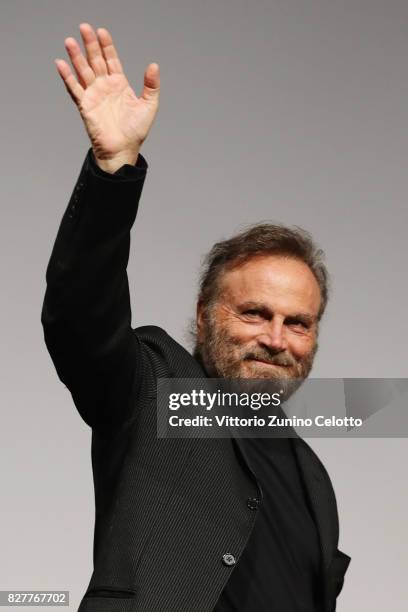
(298, 324)
(253, 312)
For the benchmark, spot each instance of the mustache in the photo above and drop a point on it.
(272, 358)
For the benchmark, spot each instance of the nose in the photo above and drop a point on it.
(273, 336)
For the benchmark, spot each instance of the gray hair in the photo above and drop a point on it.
(261, 238)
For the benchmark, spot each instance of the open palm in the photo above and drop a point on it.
(116, 120)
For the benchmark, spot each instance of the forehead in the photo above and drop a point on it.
(274, 280)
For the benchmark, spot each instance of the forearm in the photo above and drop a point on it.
(91, 251)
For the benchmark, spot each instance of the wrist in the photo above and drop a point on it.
(111, 165)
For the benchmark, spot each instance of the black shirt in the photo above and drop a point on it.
(278, 570)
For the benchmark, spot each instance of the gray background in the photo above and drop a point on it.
(282, 110)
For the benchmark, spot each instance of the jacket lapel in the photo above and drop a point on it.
(318, 492)
(320, 497)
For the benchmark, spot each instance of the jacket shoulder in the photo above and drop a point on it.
(168, 357)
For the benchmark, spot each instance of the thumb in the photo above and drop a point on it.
(151, 86)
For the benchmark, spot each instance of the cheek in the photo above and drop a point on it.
(243, 332)
(300, 346)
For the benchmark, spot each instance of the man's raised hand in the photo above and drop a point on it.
(117, 121)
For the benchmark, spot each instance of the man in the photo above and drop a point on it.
(184, 525)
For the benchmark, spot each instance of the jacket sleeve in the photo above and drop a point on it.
(86, 313)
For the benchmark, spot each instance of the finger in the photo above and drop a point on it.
(109, 52)
(151, 86)
(74, 89)
(85, 74)
(93, 50)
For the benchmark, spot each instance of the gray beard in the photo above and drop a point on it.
(217, 353)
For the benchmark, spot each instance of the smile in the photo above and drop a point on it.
(274, 365)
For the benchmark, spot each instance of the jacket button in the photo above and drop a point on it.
(253, 503)
(228, 559)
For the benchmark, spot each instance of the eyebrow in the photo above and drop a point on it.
(301, 316)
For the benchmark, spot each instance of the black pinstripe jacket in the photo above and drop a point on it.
(166, 510)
